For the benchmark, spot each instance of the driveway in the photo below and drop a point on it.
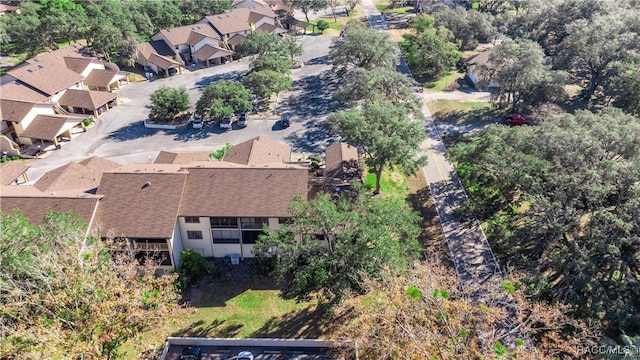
(119, 135)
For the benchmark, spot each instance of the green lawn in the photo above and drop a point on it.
(387, 9)
(392, 183)
(441, 83)
(251, 308)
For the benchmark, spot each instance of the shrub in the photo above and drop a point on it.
(86, 122)
(219, 154)
(322, 25)
(193, 267)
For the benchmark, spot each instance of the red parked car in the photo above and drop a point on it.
(516, 120)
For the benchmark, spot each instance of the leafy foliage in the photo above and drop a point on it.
(333, 244)
(363, 48)
(306, 6)
(379, 84)
(519, 68)
(263, 83)
(469, 27)
(260, 43)
(429, 49)
(224, 97)
(219, 154)
(168, 102)
(399, 319)
(193, 267)
(561, 202)
(385, 133)
(62, 297)
(322, 25)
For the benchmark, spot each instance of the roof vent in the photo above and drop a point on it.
(146, 185)
(40, 66)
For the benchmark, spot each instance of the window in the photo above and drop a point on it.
(224, 222)
(192, 219)
(225, 236)
(254, 223)
(250, 237)
(194, 235)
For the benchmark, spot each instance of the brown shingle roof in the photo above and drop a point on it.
(163, 62)
(49, 77)
(86, 99)
(180, 35)
(83, 176)
(76, 50)
(140, 204)
(158, 47)
(236, 39)
(178, 157)
(211, 52)
(35, 204)
(206, 31)
(14, 110)
(342, 161)
(219, 189)
(17, 90)
(77, 64)
(47, 127)
(102, 78)
(231, 21)
(10, 171)
(481, 58)
(257, 151)
(268, 28)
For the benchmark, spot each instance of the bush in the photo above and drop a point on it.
(219, 154)
(193, 267)
(86, 122)
(322, 25)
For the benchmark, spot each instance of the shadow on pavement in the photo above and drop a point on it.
(191, 134)
(320, 60)
(313, 140)
(133, 131)
(208, 80)
(315, 98)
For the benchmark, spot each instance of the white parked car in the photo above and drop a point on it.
(243, 119)
(196, 120)
(245, 355)
(227, 122)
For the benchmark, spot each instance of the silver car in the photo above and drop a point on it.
(243, 119)
(227, 122)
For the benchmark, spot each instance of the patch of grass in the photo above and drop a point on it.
(392, 183)
(336, 26)
(444, 81)
(251, 308)
(400, 10)
(444, 109)
(382, 6)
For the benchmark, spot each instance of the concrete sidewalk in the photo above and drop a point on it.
(470, 250)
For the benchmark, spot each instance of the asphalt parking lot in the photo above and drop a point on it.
(119, 134)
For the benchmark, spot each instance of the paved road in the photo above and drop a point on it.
(119, 134)
(470, 250)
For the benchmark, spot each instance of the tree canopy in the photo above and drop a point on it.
(520, 69)
(62, 297)
(378, 84)
(168, 102)
(224, 97)
(469, 27)
(429, 49)
(561, 202)
(332, 244)
(365, 48)
(263, 83)
(306, 6)
(385, 133)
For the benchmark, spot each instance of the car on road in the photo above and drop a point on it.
(196, 120)
(285, 122)
(516, 120)
(242, 119)
(227, 122)
(245, 355)
(190, 353)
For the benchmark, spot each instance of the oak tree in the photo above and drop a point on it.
(363, 48)
(224, 97)
(167, 103)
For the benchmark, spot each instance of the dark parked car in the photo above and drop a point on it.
(284, 121)
(516, 120)
(190, 353)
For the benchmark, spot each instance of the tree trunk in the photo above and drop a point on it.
(378, 174)
(306, 16)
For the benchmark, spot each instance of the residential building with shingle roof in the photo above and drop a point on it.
(11, 171)
(258, 151)
(181, 157)
(341, 162)
(83, 176)
(88, 102)
(35, 204)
